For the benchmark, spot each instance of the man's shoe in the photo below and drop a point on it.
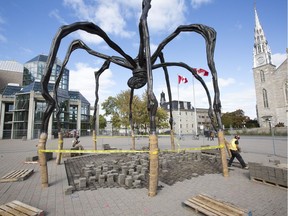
(247, 167)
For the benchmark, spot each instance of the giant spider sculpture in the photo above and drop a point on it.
(141, 67)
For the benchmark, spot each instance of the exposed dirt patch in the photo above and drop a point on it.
(173, 167)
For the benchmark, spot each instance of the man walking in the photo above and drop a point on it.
(235, 152)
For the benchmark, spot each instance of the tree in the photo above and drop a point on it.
(236, 119)
(161, 118)
(252, 124)
(118, 108)
(102, 122)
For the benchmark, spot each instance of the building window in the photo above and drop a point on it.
(259, 48)
(265, 98)
(262, 76)
(286, 91)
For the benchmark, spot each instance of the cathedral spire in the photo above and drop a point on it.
(261, 51)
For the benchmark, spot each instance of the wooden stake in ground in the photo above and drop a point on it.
(133, 140)
(154, 164)
(227, 144)
(42, 160)
(94, 140)
(172, 140)
(221, 142)
(60, 147)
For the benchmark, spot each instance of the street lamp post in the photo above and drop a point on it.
(269, 120)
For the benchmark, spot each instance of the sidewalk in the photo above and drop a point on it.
(237, 189)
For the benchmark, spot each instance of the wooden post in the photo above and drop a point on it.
(154, 164)
(172, 140)
(60, 147)
(133, 140)
(42, 160)
(94, 140)
(227, 148)
(221, 142)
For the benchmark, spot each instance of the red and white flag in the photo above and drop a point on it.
(201, 72)
(182, 79)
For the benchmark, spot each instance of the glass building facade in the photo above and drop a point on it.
(22, 107)
(36, 67)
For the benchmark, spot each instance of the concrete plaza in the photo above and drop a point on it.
(238, 189)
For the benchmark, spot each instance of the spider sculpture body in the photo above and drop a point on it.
(141, 66)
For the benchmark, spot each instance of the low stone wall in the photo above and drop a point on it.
(278, 131)
(268, 174)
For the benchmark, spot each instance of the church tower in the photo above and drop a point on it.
(268, 81)
(162, 98)
(261, 51)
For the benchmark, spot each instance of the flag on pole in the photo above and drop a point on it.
(201, 72)
(182, 79)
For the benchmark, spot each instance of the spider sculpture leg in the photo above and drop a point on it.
(97, 74)
(192, 71)
(162, 60)
(63, 32)
(145, 57)
(145, 64)
(209, 34)
(131, 118)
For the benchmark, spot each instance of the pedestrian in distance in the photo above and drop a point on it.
(76, 146)
(212, 135)
(235, 152)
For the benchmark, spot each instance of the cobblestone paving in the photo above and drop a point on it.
(172, 168)
(238, 188)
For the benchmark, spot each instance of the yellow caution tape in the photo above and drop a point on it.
(130, 151)
(110, 137)
(94, 151)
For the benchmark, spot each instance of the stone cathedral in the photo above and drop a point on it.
(271, 83)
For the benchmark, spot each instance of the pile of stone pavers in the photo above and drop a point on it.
(269, 174)
(118, 170)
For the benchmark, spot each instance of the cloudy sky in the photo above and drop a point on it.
(27, 29)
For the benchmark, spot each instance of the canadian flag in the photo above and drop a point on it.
(201, 72)
(182, 79)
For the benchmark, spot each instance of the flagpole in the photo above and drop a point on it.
(178, 109)
(195, 117)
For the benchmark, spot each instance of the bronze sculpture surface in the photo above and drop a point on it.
(141, 66)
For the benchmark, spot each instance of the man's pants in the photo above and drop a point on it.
(238, 156)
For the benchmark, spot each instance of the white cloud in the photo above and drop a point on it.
(166, 15)
(82, 79)
(244, 99)
(278, 58)
(55, 14)
(107, 14)
(226, 82)
(113, 21)
(88, 38)
(113, 16)
(198, 3)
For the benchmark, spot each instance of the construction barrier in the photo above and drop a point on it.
(130, 151)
